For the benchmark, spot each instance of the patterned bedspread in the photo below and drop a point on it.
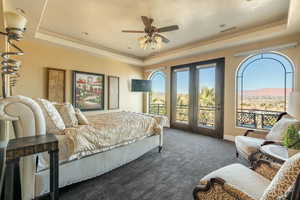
(106, 131)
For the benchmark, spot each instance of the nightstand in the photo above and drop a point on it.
(26, 146)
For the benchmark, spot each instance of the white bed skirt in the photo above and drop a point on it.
(95, 165)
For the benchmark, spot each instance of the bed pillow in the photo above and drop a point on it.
(82, 120)
(54, 122)
(67, 113)
(278, 130)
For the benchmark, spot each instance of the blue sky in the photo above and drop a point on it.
(264, 73)
(182, 82)
(158, 83)
(206, 79)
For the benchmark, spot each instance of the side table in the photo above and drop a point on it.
(277, 153)
(26, 146)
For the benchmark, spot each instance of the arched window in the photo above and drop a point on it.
(157, 99)
(264, 82)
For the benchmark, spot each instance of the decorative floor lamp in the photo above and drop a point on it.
(14, 31)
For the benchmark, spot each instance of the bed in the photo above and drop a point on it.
(86, 151)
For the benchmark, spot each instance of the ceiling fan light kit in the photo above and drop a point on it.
(147, 42)
(152, 39)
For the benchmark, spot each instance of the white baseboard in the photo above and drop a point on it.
(229, 138)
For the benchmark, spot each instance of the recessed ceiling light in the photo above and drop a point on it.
(20, 10)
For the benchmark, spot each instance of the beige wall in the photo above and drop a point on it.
(231, 64)
(39, 55)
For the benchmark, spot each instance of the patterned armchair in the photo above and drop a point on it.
(265, 181)
(249, 144)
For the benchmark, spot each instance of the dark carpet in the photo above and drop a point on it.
(172, 174)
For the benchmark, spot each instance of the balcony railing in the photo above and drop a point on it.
(206, 116)
(157, 109)
(256, 119)
(182, 113)
(248, 118)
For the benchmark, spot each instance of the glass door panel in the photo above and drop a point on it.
(197, 97)
(206, 97)
(182, 95)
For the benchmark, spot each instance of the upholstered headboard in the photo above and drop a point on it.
(28, 120)
(26, 113)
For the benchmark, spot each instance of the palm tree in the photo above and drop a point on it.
(207, 97)
(155, 100)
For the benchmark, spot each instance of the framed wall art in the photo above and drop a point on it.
(88, 91)
(113, 92)
(56, 85)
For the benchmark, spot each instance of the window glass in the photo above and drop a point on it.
(157, 104)
(264, 82)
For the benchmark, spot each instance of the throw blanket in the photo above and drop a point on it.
(106, 131)
(111, 129)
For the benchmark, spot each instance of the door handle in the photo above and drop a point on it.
(218, 107)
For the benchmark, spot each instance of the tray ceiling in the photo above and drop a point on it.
(103, 20)
(197, 19)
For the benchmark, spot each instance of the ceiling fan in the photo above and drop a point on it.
(153, 38)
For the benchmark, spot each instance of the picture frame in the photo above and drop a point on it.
(56, 85)
(113, 92)
(88, 91)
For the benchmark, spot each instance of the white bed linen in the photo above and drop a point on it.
(107, 131)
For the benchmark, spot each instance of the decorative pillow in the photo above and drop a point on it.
(284, 179)
(280, 127)
(82, 120)
(54, 122)
(67, 112)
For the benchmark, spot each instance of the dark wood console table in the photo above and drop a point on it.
(26, 146)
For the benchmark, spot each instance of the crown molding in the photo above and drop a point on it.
(67, 41)
(281, 25)
(293, 16)
(222, 42)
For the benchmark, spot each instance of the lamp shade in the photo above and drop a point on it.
(14, 20)
(294, 105)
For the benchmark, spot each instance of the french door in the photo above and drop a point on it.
(197, 97)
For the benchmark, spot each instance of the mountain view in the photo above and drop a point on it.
(271, 99)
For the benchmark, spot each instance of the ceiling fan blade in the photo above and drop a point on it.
(147, 21)
(164, 39)
(150, 21)
(131, 31)
(168, 28)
